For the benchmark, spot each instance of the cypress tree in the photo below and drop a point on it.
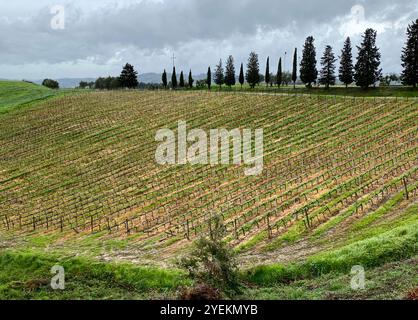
(174, 78)
(181, 79)
(267, 75)
(253, 70)
(219, 74)
(410, 56)
(230, 72)
(346, 71)
(190, 79)
(279, 76)
(209, 78)
(241, 75)
(164, 78)
(367, 70)
(128, 77)
(327, 73)
(308, 72)
(295, 66)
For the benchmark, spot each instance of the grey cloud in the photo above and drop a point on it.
(150, 27)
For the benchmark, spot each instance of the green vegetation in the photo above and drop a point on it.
(393, 280)
(394, 245)
(78, 178)
(27, 275)
(15, 93)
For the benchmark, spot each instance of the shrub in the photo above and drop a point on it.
(212, 263)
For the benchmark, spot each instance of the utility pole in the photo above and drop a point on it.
(173, 59)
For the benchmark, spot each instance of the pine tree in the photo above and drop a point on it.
(279, 76)
(267, 75)
(230, 72)
(174, 78)
(128, 77)
(181, 80)
(164, 78)
(209, 78)
(367, 70)
(295, 67)
(253, 70)
(308, 72)
(346, 71)
(241, 75)
(219, 74)
(190, 79)
(410, 56)
(327, 73)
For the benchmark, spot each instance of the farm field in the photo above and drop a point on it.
(78, 176)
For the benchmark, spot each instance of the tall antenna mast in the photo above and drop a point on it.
(173, 59)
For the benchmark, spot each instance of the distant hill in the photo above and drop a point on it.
(149, 77)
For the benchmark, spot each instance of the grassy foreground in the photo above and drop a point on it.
(389, 260)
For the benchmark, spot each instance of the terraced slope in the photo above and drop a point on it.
(85, 165)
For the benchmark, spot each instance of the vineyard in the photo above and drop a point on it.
(84, 164)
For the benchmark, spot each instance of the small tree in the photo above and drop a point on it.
(219, 74)
(230, 72)
(327, 74)
(174, 78)
(294, 70)
(410, 56)
(128, 77)
(367, 70)
(253, 70)
(212, 261)
(241, 75)
(279, 76)
(308, 72)
(181, 79)
(346, 71)
(209, 78)
(164, 78)
(267, 74)
(190, 79)
(49, 83)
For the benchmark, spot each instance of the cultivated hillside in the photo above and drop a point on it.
(80, 170)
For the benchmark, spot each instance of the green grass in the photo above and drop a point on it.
(26, 275)
(391, 281)
(397, 244)
(14, 94)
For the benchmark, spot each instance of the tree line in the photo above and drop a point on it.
(365, 72)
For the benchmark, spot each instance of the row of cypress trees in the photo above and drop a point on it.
(364, 73)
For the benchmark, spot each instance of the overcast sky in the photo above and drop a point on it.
(98, 37)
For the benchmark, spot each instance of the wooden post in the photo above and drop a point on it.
(188, 230)
(268, 227)
(406, 188)
(34, 222)
(127, 226)
(7, 223)
(235, 229)
(61, 224)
